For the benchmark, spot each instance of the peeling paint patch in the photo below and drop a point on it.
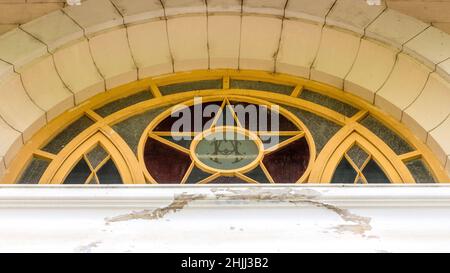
(178, 203)
(357, 224)
(360, 224)
(255, 194)
(87, 248)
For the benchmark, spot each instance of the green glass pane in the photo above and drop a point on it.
(226, 150)
(69, 133)
(333, 104)
(196, 176)
(96, 156)
(321, 129)
(34, 171)
(258, 175)
(358, 155)
(344, 173)
(132, 128)
(190, 86)
(79, 173)
(108, 174)
(228, 180)
(397, 144)
(420, 171)
(262, 86)
(122, 103)
(374, 174)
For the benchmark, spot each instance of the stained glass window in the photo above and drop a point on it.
(225, 147)
(34, 171)
(65, 136)
(95, 167)
(358, 167)
(263, 86)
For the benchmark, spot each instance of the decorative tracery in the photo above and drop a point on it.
(321, 136)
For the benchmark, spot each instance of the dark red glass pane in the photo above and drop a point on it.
(165, 164)
(256, 117)
(204, 115)
(288, 164)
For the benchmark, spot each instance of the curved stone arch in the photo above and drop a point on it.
(83, 50)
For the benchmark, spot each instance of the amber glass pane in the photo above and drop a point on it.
(165, 164)
(289, 163)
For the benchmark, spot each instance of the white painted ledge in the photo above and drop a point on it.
(241, 218)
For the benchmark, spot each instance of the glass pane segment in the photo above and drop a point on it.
(69, 133)
(257, 117)
(226, 118)
(92, 180)
(420, 171)
(333, 104)
(228, 180)
(374, 174)
(226, 150)
(108, 174)
(194, 118)
(131, 129)
(96, 156)
(122, 103)
(288, 164)
(358, 155)
(165, 164)
(258, 175)
(34, 171)
(262, 86)
(321, 129)
(397, 144)
(270, 141)
(183, 141)
(344, 173)
(79, 173)
(196, 176)
(190, 86)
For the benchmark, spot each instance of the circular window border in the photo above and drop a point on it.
(212, 98)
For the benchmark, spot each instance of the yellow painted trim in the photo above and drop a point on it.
(131, 163)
